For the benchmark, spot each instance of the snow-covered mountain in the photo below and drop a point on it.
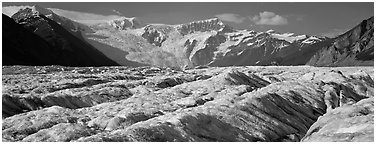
(207, 42)
(211, 42)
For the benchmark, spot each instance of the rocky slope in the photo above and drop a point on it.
(353, 48)
(55, 103)
(65, 47)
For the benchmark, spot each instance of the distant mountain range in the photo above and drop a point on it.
(40, 36)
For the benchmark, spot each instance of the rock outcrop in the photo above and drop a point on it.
(124, 23)
(155, 35)
(213, 24)
(208, 104)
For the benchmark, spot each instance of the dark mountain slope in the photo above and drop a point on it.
(22, 47)
(305, 54)
(353, 48)
(67, 49)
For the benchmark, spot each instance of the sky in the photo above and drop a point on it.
(312, 18)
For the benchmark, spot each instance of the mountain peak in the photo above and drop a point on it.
(212, 24)
(36, 9)
(25, 13)
(40, 10)
(210, 20)
(123, 23)
(31, 11)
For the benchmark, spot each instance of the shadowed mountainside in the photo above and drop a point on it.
(22, 47)
(53, 44)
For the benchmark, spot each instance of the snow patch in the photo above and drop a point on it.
(249, 44)
(200, 37)
(288, 37)
(239, 53)
(279, 47)
(270, 31)
(311, 40)
(223, 48)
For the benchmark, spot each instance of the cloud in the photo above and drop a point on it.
(334, 33)
(117, 12)
(83, 17)
(230, 17)
(269, 18)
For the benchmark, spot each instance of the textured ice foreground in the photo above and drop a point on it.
(211, 104)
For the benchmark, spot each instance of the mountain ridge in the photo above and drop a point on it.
(208, 42)
(68, 49)
(352, 48)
